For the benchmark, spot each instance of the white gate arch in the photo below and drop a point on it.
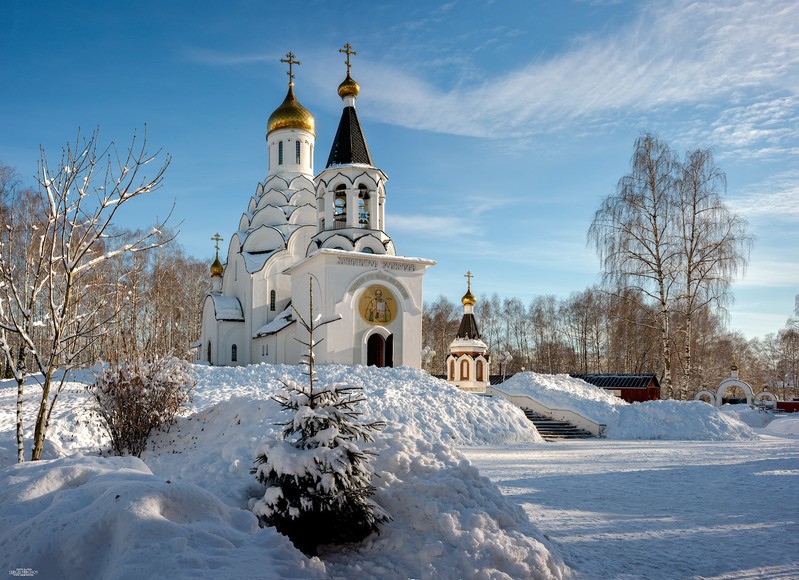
(730, 383)
(762, 396)
(706, 396)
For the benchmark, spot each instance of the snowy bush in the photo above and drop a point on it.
(318, 480)
(136, 397)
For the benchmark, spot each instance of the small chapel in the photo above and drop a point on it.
(314, 246)
(468, 359)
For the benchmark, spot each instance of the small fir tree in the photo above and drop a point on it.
(317, 478)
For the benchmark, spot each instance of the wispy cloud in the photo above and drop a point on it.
(673, 55)
(775, 199)
(769, 273)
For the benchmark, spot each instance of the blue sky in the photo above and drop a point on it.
(501, 125)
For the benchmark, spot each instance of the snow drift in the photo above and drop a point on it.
(665, 419)
(179, 511)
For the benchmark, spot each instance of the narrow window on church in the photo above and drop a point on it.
(464, 370)
(340, 208)
(479, 371)
(272, 301)
(363, 206)
(452, 370)
(280, 153)
(234, 353)
(297, 152)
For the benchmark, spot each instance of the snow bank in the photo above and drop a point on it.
(683, 420)
(784, 426)
(178, 513)
(665, 419)
(448, 521)
(84, 517)
(565, 392)
(402, 395)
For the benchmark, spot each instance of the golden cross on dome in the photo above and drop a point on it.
(217, 238)
(468, 275)
(348, 50)
(291, 62)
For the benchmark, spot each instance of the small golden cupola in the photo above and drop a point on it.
(291, 114)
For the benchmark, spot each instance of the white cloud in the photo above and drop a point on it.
(676, 54)
(771, 273)
(776, 199)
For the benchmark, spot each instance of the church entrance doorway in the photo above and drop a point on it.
(380, 351)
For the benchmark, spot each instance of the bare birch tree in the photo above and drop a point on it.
(633, 235)
(714, 246)
(81, 197)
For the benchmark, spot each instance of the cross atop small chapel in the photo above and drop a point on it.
(468, 275)
(348, 51)
(217, 238)
(291, 62)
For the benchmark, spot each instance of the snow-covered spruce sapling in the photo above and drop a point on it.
(317, 478)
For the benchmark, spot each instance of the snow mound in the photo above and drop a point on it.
(448, 521)
(219, 443)
(746, 414)
(784, 426)
(82, 517)
(676, 420)
(664, 419)
(566, 393)
(402, 395)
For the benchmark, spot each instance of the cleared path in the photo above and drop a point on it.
(659, 509)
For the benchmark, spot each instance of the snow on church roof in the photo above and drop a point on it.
(254, 262)
(227, 308)
(278, 323)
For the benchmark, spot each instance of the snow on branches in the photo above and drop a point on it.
(317, 478)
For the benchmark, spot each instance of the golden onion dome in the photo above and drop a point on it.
(468, 299)
(291, 115)
(216, 268)
(348, 88)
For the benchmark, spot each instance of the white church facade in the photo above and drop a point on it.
(320, 237)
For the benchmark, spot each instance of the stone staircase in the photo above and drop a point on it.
(552, 430)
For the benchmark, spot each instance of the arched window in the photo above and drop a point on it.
(452, 370)
(297, 152)
(340, 208)
(368, 250)
(272, 300)
(234, 353)
(363, 206)
(280, 153)
(478, 372)
(209, 352)
(464, 370)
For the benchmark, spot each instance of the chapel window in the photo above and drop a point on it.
(452, 370)
(272, 300)
(297, 152)
(280, 153)
(464, 370)
(234, 353)
(368, 250)
(479, 371)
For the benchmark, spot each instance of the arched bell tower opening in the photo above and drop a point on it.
(380, 351)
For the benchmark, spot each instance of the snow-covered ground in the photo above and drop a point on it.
(610, 508)
(654, 509)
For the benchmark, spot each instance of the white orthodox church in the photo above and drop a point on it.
(320, 237)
